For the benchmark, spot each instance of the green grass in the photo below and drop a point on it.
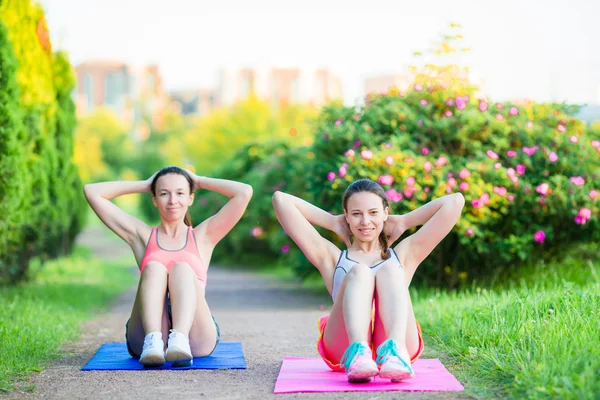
(535, 335)
(37, 317)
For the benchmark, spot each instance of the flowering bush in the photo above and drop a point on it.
(529, 172)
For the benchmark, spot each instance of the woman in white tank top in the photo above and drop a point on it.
(371, 329)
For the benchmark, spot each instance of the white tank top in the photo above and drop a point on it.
(345, 264)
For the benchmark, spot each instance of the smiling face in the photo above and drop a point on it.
(366, 215)
(172, 196)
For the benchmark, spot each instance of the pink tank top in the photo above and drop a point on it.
(188, 254)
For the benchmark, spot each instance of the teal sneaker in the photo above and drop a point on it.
(392, 366)
(358, 362)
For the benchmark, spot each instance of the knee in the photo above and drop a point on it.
(389, 272)
(154, 269)
(181, 268)
(360, 272)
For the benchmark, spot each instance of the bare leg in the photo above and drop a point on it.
(394, 317)
(182, 290)
(149, 312)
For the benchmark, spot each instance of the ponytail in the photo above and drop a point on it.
(383, 241)
(188, 221)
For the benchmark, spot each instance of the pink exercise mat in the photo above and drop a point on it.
(312, 375)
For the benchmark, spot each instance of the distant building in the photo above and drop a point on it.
(279, 86)
(123, 88)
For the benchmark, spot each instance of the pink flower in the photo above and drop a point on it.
(499, 117)
(366, 154)
(424, 151)
(408, 192)
(449, 102)
(510, 172)
(448, 113)
(418, 87)
(511, 153)
(423, 102)
(543, 189)
(497, 165)
(426, 190)
(483, 106)
(577, 180)
(477, 203)
(520, 169)
(529, 125)
(356, 144)
(420, 122)
(388, 145)
(410, 181)
(469, 232)
(561, 128)
(500, 190)
(464, 173)
(285, 248)
(585, 213)
(485, 198)
(331, 176)
(338, 122)
(461, 104)
(389, 160)
(342, 171)
(427, 166)
(573, 139)
(511, 197)
(530, 150)
(595, 143)
(579, 220)
(256, 231)
(463, 186)
(393, 195)
(349, 153)
(492, 155)
(552, 157)
(386, 180)
(513, 111)
(451, 182)
(441, 161)
(539, 236)
(593, 194)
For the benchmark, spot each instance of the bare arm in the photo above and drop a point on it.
(438, 217)
(99, 196)
(217, 226)
(296, 216)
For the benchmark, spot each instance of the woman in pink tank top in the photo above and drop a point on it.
(173, 258)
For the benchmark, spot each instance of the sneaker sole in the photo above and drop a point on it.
(396, 376)
(362, 376)
(152, 360)
(179, 358)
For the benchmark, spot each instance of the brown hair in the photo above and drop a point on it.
(177, 171)
(367, 185)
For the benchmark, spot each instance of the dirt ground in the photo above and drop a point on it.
(272, 319)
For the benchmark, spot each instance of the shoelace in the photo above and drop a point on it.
(351, 353)
(152, 340)
(388, 348)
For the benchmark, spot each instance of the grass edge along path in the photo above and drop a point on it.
(40, 315)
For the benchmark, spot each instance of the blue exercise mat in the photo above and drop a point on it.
(114, 356)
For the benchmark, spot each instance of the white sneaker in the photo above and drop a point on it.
(179, 353)
(153, 352)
